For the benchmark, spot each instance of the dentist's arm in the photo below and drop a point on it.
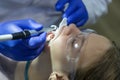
(95, 9)
(22, 49)
(81, 12)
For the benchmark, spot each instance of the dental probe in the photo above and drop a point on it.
(25, 33)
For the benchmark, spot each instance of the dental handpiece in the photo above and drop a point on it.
(25, 33)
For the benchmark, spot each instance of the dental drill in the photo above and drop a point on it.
(26, 33)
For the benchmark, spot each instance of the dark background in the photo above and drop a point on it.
(109, 25)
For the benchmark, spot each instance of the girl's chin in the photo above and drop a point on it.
(47, 49)
(50, 36)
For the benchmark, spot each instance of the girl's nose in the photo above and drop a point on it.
(73, 29)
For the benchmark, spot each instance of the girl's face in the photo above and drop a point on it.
(93, 48)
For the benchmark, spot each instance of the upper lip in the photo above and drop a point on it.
(58, 32)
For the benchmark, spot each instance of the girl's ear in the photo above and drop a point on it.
(58, 76)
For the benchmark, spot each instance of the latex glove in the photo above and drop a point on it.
(75, 12)
(22, 49)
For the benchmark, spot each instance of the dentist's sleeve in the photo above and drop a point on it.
(96, 8)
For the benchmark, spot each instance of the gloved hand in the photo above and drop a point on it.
(75, 12)
(22, 49)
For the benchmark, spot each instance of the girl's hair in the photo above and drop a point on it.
(108, 68)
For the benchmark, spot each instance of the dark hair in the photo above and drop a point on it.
(107, 68)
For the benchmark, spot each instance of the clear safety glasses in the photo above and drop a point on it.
(73, 49)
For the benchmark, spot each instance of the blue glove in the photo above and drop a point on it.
(22, 49)
(75, 13)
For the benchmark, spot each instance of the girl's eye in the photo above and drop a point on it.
(74, 42)
(73, 47)
(77, 42)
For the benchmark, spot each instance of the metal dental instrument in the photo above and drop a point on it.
(25, 33)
